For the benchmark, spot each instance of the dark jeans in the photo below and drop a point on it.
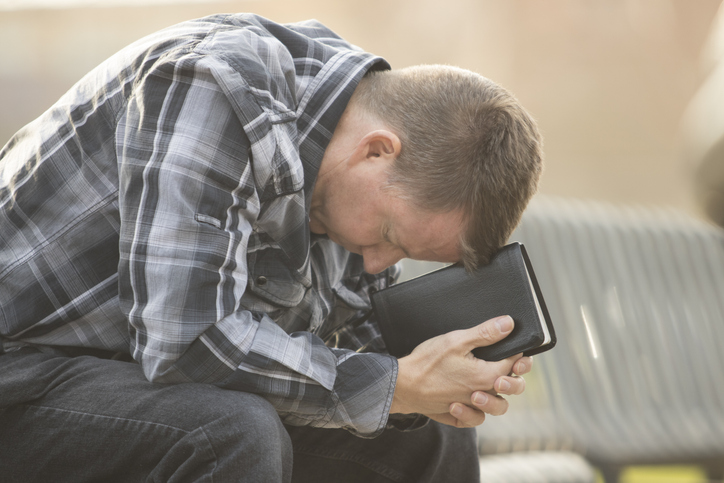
(77, 419)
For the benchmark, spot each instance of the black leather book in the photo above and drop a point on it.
(452, 298)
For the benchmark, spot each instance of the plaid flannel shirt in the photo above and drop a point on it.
(161, 208)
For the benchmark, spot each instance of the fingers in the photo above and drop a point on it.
(513, 384)
(489, 332)
(510, 385)
(465, 416)
(450, 420)
(489, 403)
(523, 366)
(438, 376)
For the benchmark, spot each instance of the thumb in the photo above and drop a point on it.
(489, 332)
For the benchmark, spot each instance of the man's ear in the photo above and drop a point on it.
(379, 145)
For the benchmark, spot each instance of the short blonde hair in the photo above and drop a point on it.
(467, 144)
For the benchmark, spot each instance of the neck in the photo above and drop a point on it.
(353, 125)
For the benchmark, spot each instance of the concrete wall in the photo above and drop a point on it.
(608, 80)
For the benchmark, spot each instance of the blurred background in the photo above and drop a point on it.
(628, 95)
(607, 80)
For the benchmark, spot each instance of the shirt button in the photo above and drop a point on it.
(261, 280)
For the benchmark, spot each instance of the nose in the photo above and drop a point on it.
(377, 259)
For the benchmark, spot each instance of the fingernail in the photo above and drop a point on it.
(456, 410)
(480, 398)
(505, 324)
(503, 386)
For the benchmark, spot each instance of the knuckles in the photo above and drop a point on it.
(486, 334)
(500, 408)
(523, 366)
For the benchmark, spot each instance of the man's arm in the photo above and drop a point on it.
(444, 381)
(189, 203)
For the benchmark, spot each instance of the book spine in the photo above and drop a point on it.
(385, 323)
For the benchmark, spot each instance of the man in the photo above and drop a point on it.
(189, 240)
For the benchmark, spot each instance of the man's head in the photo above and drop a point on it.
(467, 146)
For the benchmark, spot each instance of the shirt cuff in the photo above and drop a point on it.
(364, 387)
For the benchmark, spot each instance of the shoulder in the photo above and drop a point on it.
(273, 59)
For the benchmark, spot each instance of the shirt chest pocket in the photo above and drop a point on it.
(273, 281)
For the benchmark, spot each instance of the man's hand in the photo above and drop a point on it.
(444, 381)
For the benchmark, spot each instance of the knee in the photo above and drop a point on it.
(229, 419)
(257, 420)
(249, 438)
(251, 425)
(243, 416)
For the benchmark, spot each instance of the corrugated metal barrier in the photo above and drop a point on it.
(637, 299)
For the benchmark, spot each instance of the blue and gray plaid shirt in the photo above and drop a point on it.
(160, 208)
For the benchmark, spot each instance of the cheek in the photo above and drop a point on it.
(358, 232)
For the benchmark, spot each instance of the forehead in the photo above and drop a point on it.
(431, 236)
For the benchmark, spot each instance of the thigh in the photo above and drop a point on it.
(90, 419)
(433, 453)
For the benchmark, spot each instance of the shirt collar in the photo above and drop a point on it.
(323, 105)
